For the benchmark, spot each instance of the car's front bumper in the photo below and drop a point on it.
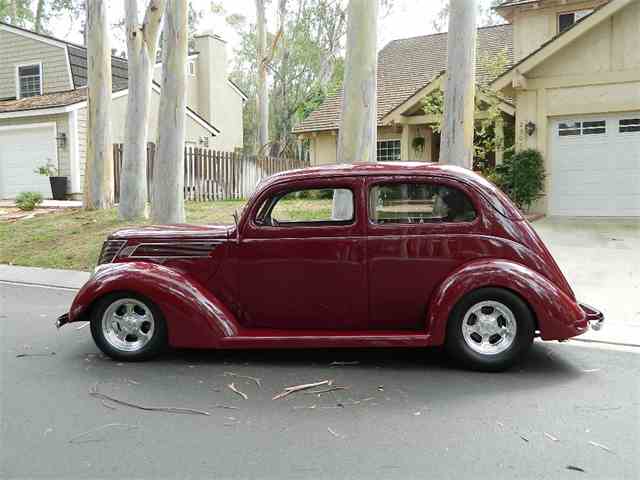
(595, 317)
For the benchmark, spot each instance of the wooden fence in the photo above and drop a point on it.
(211, 175)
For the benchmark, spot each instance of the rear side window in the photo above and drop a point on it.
(308, 207)
(410, 203)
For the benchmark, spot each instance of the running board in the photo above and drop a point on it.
(272, 339)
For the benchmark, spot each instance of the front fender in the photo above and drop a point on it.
(195, 318)
(558, 315)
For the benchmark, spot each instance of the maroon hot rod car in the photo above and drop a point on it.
(367, 255)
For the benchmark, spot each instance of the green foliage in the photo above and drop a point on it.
(48, 170)
(306, 66)
(521, 176)
(485, 141)
(27, 201)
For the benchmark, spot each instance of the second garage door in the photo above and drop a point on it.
(22, 150)
(595, 166)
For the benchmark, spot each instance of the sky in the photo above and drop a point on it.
(407, 18)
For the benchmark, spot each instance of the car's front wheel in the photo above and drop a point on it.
(128, 327)
(490, 329)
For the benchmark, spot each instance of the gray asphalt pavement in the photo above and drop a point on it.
(405, 414)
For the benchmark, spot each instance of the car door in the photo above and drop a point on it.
(416, 235)
(300, 266)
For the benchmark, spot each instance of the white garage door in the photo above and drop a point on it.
(595, 166)
(22, 150)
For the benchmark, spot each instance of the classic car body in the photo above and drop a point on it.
(337, 283)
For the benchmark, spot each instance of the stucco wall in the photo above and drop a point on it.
(17, 49)
(533, 26)
(193, 130)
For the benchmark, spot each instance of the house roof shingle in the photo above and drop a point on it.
(407, 65)
(78, 62)
(51, 100)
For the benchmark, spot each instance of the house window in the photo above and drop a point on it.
(594, 128)
(403, 203)
(29, 80)
(628, 125)
(565, 20)
(388, 151)
(191, 68)
(569, 129)
(591, 127)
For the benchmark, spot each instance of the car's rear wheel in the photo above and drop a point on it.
(128, 327)
(490, 329)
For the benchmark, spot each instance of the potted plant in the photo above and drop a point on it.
(58, 184)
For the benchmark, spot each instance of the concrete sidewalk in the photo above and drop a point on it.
(47, 277)
(614, 331)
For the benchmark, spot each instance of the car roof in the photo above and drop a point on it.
(490, 191)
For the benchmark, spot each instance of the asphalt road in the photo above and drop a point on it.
(406, 413)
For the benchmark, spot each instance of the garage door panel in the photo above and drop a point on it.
(22, 150)
(594, 174)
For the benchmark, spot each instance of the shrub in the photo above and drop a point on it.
(521, 176)
(28, 200)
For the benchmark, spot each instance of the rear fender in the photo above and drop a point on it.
(195, 318)
(558, 315)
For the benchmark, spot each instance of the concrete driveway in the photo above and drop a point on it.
(601, 260)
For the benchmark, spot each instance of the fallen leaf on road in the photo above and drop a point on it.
(381, 388)
(233, 388)
(103, 427)
(188, 411)
(550, 437)
(599, 445)
(86, 324)
(343, 364)
(297, 388)
(22, 355)
(326, 390)
(334, 433)
(576, 469)
(253, 379)
(524, 438)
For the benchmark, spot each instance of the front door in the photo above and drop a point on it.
(301, 258)
(415, 239)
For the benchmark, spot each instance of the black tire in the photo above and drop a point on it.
(460, 350)
(156, 344)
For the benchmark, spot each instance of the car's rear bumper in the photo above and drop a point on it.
(594, 317)
(62, 320)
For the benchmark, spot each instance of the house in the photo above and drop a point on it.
(43, 106)
(576, 86)
(571, 89)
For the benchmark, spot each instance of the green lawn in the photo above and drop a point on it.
(71, 239)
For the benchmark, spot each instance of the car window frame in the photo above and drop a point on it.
(430, 226)
(249, 229)
(273, 200)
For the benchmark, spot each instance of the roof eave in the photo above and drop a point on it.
(558, 42)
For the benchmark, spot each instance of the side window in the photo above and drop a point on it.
(402, 203)
(308, 207)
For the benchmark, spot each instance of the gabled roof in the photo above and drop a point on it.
(559, 41)
(78, 61)
(408, 65)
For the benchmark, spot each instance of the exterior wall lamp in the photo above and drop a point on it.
(530, 127)
(62, 140)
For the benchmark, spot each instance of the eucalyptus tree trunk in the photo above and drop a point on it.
(98, 192)
(38, 20)
(456, 141)
(167, 200)
(358, 119)
(142, 43)
(262, 95)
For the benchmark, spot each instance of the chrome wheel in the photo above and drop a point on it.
(128, 324)
(489, 327)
